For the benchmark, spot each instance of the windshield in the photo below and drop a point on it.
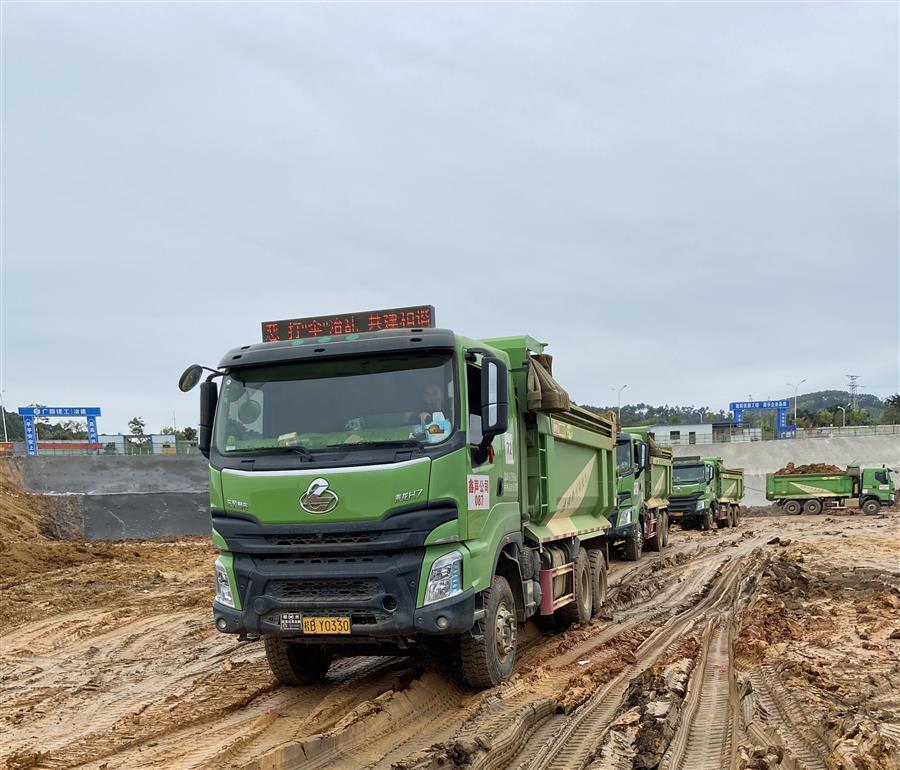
(317, 405)
(623, 458)
(688, 474)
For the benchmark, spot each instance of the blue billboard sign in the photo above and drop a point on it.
(783, 430)
(60, 411)
(30, 413)
(782, 403)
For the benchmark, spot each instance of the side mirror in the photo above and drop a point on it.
(494, 399)
(644, 456)
(190, 377)
(209, 397)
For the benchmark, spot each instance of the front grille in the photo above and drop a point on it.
(684, 504)
(349, 538)
(358, 589)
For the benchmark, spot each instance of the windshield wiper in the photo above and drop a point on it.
(407, 442)
(272, 450)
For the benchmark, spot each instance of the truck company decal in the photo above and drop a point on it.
(571, 499)
(811, 490)
(508, 445)
(318, 498)
(479, 492)
(561, 429)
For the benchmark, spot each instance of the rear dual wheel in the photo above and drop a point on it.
(812, 506)
(597, 566)
(661, 538)
(793, 507)
(579, 611)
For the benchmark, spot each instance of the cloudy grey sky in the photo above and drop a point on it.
(698, 200)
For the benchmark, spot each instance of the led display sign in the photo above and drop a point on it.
(417, 317)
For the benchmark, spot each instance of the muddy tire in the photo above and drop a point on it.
(736, 516)
(296, 664)
(812, 507)
(871, 507)
(635, 543)
(579, 611)
(708, 521)
(655, 543)
(793, 507)
(597, 566)
(726, 522)
(489, 659)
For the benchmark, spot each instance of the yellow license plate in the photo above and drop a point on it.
(339, 625)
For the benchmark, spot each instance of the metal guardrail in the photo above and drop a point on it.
(850, 431)
(110, 449)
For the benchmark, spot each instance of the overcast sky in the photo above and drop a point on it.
(698, 200)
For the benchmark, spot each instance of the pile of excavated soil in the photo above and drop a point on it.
(824, 631)
(24, 548)
(790, 469)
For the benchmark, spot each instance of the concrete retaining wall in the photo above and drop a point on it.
(759, 458)
(110, 497)
(117, 498)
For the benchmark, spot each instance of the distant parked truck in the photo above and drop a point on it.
(644, 476)
(869, 488)
(705, 493)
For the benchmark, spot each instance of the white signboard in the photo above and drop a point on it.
(479, 492)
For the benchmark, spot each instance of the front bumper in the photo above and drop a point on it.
(621, 532)
(367, 571)
(456, 614)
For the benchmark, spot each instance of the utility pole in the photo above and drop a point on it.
(844, 415)
(3, 412)
(852, 387)
(790, 385)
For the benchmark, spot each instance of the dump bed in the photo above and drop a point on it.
(731, 482)
(659, 490)
(571, 474)
(811, 485)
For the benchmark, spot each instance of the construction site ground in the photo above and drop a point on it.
(771, 645)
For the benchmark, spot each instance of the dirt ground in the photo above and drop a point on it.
(772, 645)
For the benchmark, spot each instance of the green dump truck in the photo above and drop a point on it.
(388, 491)
(869, 488)
(644, 472)
(705, 493)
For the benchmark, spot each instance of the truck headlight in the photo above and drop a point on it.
(445, 578)
(223, 587)
(623, 517)
(701, 504)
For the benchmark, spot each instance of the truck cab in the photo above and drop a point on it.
(374, 492)
(640, 519)
(705, 494)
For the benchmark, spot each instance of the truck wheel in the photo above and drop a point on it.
(792, 507)
(871, 507)
(579, 611)
(635, 543)
(708, 520)
(812, 506)
(653, 543)
(296, 664)
(664, 529)
(736, 517)
(489, 659)
(726, 522)
(597, 566)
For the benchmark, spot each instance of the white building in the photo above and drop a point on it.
(704, 433)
